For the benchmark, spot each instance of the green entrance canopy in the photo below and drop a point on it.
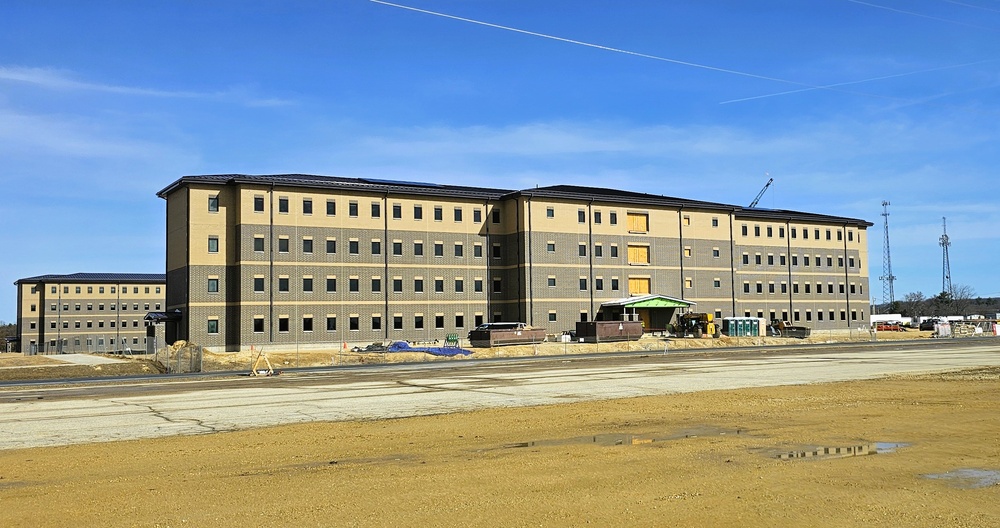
(649, 301)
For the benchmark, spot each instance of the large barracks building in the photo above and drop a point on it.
(299, 260)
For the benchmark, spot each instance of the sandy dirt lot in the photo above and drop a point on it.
(701, 459)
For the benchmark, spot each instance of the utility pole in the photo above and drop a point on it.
(887, 277)
(945, 263)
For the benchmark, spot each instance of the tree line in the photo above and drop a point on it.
(961, 300)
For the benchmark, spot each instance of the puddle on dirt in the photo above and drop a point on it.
(872, 448)
(617, 439)
(969, 478)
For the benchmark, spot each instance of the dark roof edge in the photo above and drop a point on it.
(130, 278)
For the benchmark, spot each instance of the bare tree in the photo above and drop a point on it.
(962, 298)
(913, 304)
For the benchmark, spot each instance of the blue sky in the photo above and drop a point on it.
(104, 103)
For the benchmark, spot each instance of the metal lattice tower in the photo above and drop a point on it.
(887, 277)
(945, 263)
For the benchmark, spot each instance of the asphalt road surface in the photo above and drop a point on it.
(100, 411)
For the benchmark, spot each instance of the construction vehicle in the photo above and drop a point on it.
(696, 324)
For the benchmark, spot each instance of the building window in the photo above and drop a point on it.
(438, 322)
(307, 284)
(376, 210)
(376, 322)
(331, 285)
(638, 222)
(258, 204)
(354, 323)
(552, 316)
(614, 250)
(213, 244)
(716, 283)
(497, 285)
(418, 322)
(282, 245)
(458, 214)
(598, 251)
(459, 321)
(213, 326)
(331, 207)
(397, 322)
(376, 247)
(760, 288)
(438, 285)
(743, 230)
(581, 216)
(258, 244)
(397, 285)
(352, 208)
(438, 213)
(376, 284)
(418, 212)
(496, 214)
(307, 323)
(746, 287)
(283, 324)
(599, 284)
(550, 247)
(307, 206)
(715, 253)
(331, 245)
(353, 285)
(613, 218)
(477, 215)
(552, 281)
(638, 254)
(496, 251)
(770, 232)
(614, 283)
(283, 284)
(583, 284)
(307, 245)
(353, 247)
(418, 285)
(258, 284)
(756, 230)
(583, 250)
(397, 211)
(477, 250)
(418, 249)
(597, 217)
(397, 248)
(459, 250)
(213, 285)
(438, 249)
(459, 285)
(283, 205)
(477, 285)
(550, 212)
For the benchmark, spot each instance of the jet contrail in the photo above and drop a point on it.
(608, 48)
(805, 87)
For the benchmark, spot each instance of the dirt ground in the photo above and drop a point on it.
(701, 459)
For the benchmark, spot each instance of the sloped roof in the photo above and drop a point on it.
(137, 278)
(652, 300)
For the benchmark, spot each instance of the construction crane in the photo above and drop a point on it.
(761, 193)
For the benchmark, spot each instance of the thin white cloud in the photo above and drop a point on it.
(54, 79)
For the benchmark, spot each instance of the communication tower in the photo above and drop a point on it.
(887, 277)
(945, 263)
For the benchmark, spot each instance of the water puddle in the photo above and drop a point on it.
(969, 478)
(872, 448)
(617, 439)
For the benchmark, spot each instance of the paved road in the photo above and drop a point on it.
(98, 412)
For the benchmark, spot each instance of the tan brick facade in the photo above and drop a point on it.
(295, 260)
(86, 312)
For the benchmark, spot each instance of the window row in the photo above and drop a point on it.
(797, 315)
(87, 324)
(794, 232)
(77, 307)
(90, 341)
(100, 289)
(816, 260)
(807, 287)
(375, 211)
(308, 323)
(375, 284)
